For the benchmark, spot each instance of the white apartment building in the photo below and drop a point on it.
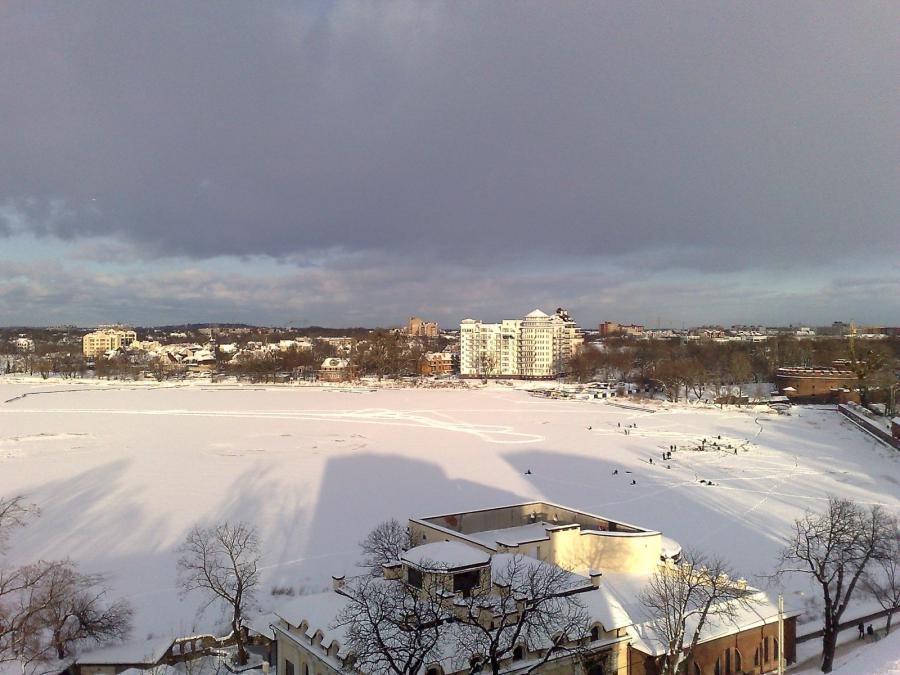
(101, 341)
(535, 347)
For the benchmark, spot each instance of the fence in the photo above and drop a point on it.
(854, 414)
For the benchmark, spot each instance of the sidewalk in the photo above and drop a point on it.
(849, 648)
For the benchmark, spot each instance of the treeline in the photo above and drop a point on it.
(693, 368)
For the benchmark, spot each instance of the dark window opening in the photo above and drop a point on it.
(518, 653)
(464, 582)
(288, 667)
(414, 577)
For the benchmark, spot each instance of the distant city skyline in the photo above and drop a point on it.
(354, 163)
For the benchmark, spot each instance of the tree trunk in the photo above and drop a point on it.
(242, 656)
(829, 642)
(887, 628)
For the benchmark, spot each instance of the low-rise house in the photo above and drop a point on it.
(334, 369)
(603, 564)
(437, 363)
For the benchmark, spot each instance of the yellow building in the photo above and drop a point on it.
(101, 341)
(467, 555)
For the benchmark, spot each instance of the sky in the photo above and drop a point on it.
(346, 164)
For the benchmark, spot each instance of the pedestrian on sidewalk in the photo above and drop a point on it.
(870, 631)
(862, 631)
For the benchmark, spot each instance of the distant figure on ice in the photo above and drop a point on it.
(615, 472)
(735, 451)
(589, 427)
(651, 460)
(619, 424)
(668, 466)
(862, 630)
(527, 472)
(634, 482)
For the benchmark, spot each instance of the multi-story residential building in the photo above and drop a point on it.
(535, 347)
(24, 345)
(610, 328)
(605, 564)
(420, 328)
(101, 341)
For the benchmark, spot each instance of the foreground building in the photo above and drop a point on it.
(536, 347)
(605, 563)
(101, 341)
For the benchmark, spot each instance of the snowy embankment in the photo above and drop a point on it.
(122, 472)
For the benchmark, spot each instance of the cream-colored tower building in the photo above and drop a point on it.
(536, 347)
(101, 341)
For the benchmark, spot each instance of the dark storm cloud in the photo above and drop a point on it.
(730, 135)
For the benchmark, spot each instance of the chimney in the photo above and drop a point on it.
(337, 582)
(596, 577)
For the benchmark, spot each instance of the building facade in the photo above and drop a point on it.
(101, 341)
(462, 555)
(536, 347)
(611, 328)
(420, 328)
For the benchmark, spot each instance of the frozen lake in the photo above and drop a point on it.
(122, 472)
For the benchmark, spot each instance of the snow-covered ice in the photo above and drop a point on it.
(122, 472)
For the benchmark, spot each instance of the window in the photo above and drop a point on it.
(288, 667)
(756, 657)
(595, 633)
(518, 653)
(697, 670)
(466, 581)
(414, 577)
(738, 665)
(305, 669)
(766, 650)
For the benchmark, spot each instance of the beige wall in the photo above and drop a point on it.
(300, 657)
(580, 551)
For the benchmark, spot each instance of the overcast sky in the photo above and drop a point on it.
(355, 163)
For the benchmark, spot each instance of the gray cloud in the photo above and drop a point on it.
(755, 134)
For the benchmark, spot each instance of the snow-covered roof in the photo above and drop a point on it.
(132, 652)
(449, 555)
(536, 314)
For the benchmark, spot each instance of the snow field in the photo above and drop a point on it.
(121, 473)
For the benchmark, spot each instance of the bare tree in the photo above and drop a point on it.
(14, 512)
(835, 548)
(530, 605)
(73, 608)
(485, 364)
(384, 544)
(883, 583)
(223, 562)
(391, 626)
(682, 598)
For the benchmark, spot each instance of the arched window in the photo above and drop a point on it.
(717, 669)
(518, 653)
(434, 670)
(595, 633)
(738, 661)
(728, 661)
(756, 657)
(766, 650)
